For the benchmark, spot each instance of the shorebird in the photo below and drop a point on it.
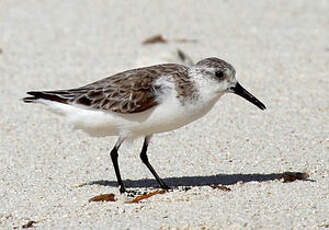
(144, 101)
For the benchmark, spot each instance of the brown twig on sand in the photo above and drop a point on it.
(142, 197)
(154, 39)
(103, 197)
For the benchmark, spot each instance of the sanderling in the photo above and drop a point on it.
(145, 101)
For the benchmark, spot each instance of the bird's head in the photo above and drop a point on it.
(222, 77)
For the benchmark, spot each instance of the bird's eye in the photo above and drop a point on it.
(219, 74)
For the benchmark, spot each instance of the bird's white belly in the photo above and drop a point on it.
(169, 115)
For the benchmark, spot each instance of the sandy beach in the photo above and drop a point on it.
(280, 51)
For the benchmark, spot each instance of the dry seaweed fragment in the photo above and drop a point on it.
(220, 187)
(160, 39)
(142, 197)
(184, 40)
(184, 57)
(29, 224)
(103, 197)
(292, 176)
(154, 39)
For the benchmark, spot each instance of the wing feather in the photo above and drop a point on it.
(131, 91)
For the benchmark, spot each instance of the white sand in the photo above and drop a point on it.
(281, 52)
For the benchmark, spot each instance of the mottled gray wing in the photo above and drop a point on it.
(131, 91)
(128, 92)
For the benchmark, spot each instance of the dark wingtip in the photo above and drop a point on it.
(48, 95)
(30, 99)
(35, 93)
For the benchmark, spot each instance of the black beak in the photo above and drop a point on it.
(239, 90)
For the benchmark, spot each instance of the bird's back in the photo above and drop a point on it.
(130, 91)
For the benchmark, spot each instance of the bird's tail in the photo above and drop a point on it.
(58, 96)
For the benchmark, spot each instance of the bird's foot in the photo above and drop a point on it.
(131, 193)
(166, 188)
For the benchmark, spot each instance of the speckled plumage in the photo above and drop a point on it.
(130, 91)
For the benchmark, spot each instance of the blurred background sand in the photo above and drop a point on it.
(281, 53)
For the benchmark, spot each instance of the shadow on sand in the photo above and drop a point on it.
(194, 181)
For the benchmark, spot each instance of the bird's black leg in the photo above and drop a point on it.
(145, 160)
(114, 156)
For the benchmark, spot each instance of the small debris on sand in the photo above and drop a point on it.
(160, 39)
(292, 176)
(29, 224)
(184, 57)
(79, 185)
(154, 39)
(146, 196)
(103, 197)
(184, 40)
(220, 187)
